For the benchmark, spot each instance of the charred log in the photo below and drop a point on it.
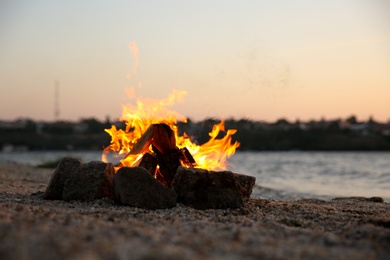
(159, 135)
(149, 162)
(168, 164)
(164, 139)
(144, 142)
(168, 157)
(186, 157)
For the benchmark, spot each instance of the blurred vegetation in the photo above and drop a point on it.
(282, 135)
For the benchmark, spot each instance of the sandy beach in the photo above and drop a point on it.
(33, 228)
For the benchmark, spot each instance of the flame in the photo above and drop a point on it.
(211, 155)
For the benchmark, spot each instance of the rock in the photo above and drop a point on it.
(65, 168)
(136, 187)
(93, 180)
(204, 189)
(371, 199)
(376, 199)
(245, 184)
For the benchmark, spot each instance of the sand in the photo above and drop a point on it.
(33, 228)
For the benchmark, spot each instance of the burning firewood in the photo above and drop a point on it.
(160, 135)
(166, 155)
(149, 162)
(168, 163)
(164, 139)
(186, 157)
(144, 142)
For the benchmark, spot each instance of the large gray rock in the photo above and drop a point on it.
(66, 168)
(245, 184)
(204, 189)
(93, 180)
(136, 187)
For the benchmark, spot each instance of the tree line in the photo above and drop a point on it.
(281, 135)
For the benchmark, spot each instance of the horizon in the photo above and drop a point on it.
(112, 120)
(256, 60)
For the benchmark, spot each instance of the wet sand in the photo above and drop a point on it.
(33, 228)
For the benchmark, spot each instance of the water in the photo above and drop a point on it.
(285, 175)
(325, 175)
(37, 157)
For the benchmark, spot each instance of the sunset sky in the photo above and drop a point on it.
(261, 60)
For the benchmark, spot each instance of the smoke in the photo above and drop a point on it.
(134, 51)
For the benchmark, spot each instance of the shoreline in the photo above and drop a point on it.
(280, 175)
(33, 228)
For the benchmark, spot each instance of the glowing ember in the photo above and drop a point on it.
(211, 155)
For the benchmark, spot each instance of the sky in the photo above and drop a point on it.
(260, 60)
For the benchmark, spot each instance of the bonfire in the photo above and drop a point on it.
(157, 167)
(151, 139)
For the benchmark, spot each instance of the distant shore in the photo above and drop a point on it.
(33, 228)
(347, 134)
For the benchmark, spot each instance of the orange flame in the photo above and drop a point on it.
(211, 155)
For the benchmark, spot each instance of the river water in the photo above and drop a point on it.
(285, 175)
